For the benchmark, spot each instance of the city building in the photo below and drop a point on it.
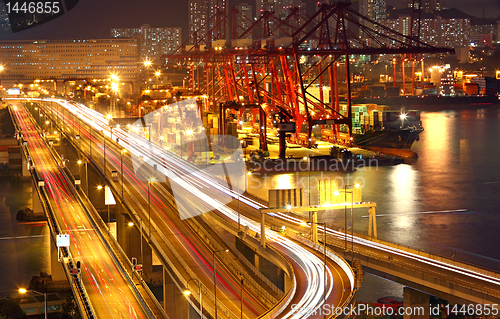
(207, 16)
(197, 19)
(427, 5)
(300, 17)
(243, 19)
(283, 9)
(26, 60)
(484, 27)
(373, 9)
(455, 32)
(153, 42)
(435, 31)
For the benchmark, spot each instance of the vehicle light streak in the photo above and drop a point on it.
(191, 179)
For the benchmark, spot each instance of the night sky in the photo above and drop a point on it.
(95, 18)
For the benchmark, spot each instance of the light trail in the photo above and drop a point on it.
(109, 292)
(187, 176)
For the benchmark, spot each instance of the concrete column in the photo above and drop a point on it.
(418, 301)
(372, 223)
(174, 302)
(82, 175)
(95, 195)
(314, 227)
(56, 269)
(129, 238)
(24, 164)
(36, 204)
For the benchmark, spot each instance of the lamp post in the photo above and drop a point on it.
(99, 187)
(23, 291)
(132, 224)
(187, 292)
(345, 216)
(109, 117)
(104, 161)
(90, 142)
(80, 162)
(157, 74)
(215, 278)
(124, 150)
(150, 180)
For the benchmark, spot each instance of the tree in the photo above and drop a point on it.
(70, 308)
(10, 309)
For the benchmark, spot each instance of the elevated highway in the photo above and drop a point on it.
(308, 283)
(104, 289)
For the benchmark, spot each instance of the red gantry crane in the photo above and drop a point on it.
(272, 73)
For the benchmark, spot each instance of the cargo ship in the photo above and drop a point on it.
(379, 129)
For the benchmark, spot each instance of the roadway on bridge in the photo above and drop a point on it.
(110, 293)
(195, 254)
(455, 272)
(308, 265)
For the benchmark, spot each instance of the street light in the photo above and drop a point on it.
(215, 278)
(80, 162)
(104, 142)
(99, 187)
(187, 292)
(124, 150)
(132, 224)
(336, 193)
(24, 290)
(150, 180)
(157, 75)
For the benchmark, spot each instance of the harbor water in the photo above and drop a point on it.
(445, 202)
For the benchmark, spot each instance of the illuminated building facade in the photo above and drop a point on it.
(207, 16)
(153, 42)
(26, 60)
(427, 5)
(436, 31)
(244, 19)
(197, 19)
(373, 9)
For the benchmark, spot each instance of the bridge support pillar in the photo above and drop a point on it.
(24, 164)
(174, 301)
(129, 238)
(416, 300)
(36, 205)
(56, 269)
(372, 223)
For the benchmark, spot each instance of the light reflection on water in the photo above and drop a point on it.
(457, 169)
(27, 255)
